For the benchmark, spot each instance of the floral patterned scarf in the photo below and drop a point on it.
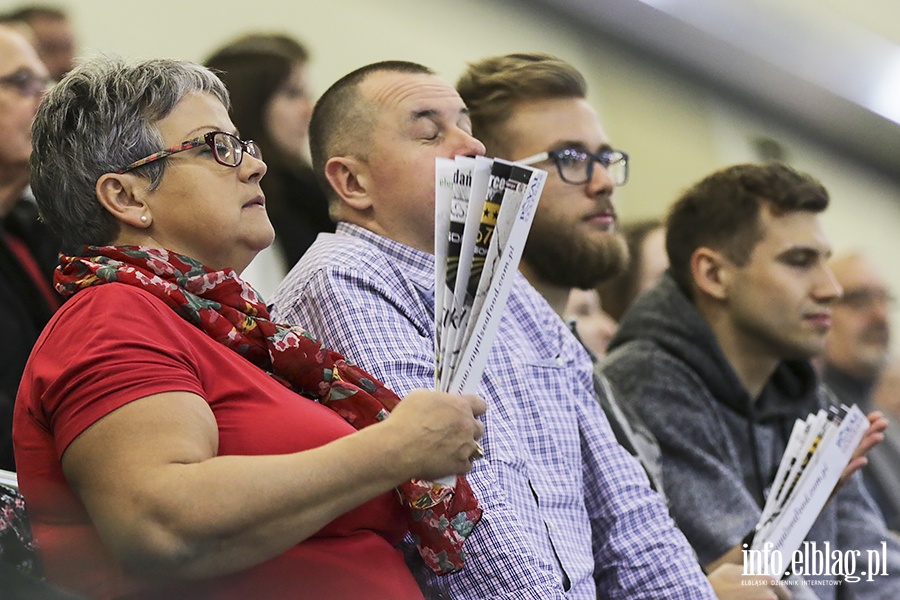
(228, 310)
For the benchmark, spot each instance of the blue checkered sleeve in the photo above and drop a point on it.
(638, 550)
(377, 325)
(565, 508)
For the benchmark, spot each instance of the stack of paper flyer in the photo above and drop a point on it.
(483, 212)
(817, 452)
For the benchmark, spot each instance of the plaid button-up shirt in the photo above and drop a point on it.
(567, 511)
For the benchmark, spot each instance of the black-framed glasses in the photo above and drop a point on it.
(26, 82)
(577, 166)
(227, 149)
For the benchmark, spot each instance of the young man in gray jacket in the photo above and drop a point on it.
(715, 359)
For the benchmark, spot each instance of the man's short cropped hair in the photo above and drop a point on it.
(722, 212)
(342, 122)
(493, 86)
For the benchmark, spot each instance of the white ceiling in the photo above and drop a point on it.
(829, 67)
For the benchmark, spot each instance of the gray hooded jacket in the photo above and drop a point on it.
(720, 449)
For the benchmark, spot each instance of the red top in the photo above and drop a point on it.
(112, 344)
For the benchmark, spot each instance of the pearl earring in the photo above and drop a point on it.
(143, 218)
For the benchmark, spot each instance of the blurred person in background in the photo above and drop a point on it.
(885, 396)
(855, 367)
(28, 251)
(646, 242)
(271, 103)
(594, 326)
(596, 311)
(172, 441)
(54, 38)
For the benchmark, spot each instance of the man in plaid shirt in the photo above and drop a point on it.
(568, 513)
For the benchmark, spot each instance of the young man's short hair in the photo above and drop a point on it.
(722, 212)
(493, 86)
(340, 119)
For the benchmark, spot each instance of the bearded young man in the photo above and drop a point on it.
(532, 108)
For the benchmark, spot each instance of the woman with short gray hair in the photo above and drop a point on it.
(107, 113)
(171, 440)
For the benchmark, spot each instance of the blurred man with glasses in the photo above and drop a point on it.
(27, 249)
(52, 33)
(856, 356)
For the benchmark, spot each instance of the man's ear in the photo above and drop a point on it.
(119, 194)
(349, 177)
(711, 272)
